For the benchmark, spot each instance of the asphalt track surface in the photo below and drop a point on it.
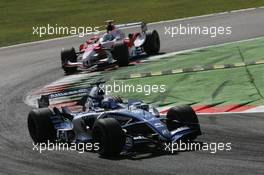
(27, 67)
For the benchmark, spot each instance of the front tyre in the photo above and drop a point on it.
(152, 43)
(68, 55)
(110, 136)
(121, 54)
(40, 126)
(183, 115)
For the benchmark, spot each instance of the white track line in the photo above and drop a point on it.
(153, 23)
(257, 109)
(251, 111)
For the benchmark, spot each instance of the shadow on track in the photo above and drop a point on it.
(147, 151)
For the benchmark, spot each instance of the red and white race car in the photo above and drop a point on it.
(111, 48)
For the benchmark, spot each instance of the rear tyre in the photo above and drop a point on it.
(120, 53)
(110, 136)
(152, 43)
(40, 126)
(183, 115)
(68, 55)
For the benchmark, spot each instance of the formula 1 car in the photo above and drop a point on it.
(111, 48)
(117, 126)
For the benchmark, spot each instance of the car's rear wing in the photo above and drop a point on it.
(142, 25)
(45, 100)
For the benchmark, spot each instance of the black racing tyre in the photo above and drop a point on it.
(183, 115)
(120, 53)
(110, 136)
(68, 55)
(40, 126)
(152, 43)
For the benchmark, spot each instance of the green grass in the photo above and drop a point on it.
(226, 86)
(230, 86)
(18, 17)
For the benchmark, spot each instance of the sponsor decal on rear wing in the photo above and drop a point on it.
(44, 100)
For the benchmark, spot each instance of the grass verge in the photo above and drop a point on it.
(226, 86)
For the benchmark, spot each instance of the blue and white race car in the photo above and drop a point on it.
(117, 126)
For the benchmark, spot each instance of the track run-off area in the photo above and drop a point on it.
(204, 64)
